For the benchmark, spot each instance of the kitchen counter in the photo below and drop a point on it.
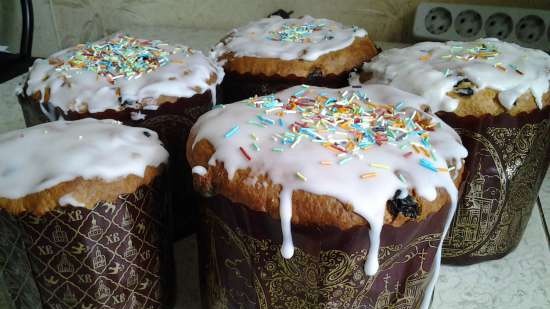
(520, 280)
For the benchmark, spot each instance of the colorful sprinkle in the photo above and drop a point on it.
(296, 141)
(402, 178)
(246, 155)
(264, 119)
(426, 57)
(296, 33)
(121, 56)
(232, 132)
(427, 164)
(379, 165)
(348, 124)
(345, 160)
(368, 175)
(256, 123)
(301, 176)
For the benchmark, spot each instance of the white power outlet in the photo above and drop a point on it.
(465, 22)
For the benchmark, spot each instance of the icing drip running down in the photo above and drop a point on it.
(432, 70)
(43, 156)
(342, 143)
(304, 38)
(121, 72)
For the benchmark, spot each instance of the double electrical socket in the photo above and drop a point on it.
(461, 22)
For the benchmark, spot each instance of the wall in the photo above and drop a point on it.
(61, 23)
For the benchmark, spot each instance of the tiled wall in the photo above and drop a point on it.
(61, 23)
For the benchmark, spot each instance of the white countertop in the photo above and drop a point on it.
(520, 280)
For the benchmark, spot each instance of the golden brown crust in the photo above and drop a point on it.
(333, 63)
(307, 208)
(485, 101)
(85, 191)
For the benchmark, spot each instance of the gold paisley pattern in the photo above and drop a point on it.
(500, 191)
(242, 271)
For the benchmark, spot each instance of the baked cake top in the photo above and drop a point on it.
(304, 38)
(358, 145)
(434, 70)
(41, 157)
(121, 72)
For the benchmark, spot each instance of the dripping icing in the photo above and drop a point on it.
(367, 197)
(184, 73)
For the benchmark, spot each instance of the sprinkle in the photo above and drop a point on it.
(443, 170)
(277, 149)
(301, 176)
(515, 68)
(408, 154)
(232, 132)
(121, 56)
(246, 155)
(256, 123)
(300, 92)
(266, 120)
(256, 146)
(426, 57)
(254, 137)
(325, 162)
(399, 105)
(345, 160)
(402, 178)
(500, 67)
(379, 165)
(298, 139)
(368, 175)
(296, 33)
(427, 164)
(281, 122)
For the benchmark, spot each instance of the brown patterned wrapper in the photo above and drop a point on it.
(17, 285)
(241, 265)
(237, 87)
(113, 256)
(172, 121)
(507, 160)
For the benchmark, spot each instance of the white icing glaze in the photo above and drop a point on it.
(184, 75)
(228, 128)
(199, 170)
(40, 157)
(432, 69)
(68, 199)
(256, 39)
